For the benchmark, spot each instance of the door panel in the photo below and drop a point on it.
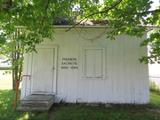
(43, 72)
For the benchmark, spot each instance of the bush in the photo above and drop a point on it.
(154, 86)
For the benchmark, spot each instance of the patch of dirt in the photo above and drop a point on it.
(51, 113)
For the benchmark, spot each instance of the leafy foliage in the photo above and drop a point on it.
(154, 42)
(35, 18)
(126, 16)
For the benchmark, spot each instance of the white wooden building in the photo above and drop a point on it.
(83, 66)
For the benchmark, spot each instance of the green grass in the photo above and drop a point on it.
(82, 112)
(100, 113)
(8, 113)
(155, 99)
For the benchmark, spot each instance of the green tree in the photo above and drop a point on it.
(124, 16)
(35, 19)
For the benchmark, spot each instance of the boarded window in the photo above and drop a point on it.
(93, 63)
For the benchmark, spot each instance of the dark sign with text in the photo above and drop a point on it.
(69, 63)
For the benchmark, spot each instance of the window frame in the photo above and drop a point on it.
(84, 62)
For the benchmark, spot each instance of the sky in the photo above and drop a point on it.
(155, 4)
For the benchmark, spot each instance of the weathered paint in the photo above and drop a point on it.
(122, 78)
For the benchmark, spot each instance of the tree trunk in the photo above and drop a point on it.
(13, 80)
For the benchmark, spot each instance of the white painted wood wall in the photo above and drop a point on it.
(125, 79)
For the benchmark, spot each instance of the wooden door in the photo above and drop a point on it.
(44, 71)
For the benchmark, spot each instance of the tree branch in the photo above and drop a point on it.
(45, 9)
(99, 12)
(6, 5)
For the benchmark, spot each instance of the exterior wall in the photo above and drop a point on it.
(125, 79)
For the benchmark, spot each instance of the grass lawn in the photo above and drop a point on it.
(82, 112)
(8, 113)
(155, 99)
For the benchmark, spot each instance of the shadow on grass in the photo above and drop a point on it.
(80, 111)
(8, 113)
(115, 112)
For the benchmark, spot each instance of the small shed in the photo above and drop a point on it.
(83, 66)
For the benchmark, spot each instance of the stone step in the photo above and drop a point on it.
(26, 109)
(36, 102)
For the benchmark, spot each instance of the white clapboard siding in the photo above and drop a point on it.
(42, 69)
(26, 78)
(121, 78)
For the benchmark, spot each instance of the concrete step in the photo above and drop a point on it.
(36, 102)
(27, 109)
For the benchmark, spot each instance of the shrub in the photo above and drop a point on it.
(154, 86)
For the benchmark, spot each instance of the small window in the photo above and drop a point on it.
(93, 63)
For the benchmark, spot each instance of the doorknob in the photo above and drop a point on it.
(53, 68)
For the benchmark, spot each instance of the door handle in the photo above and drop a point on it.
(53, 68)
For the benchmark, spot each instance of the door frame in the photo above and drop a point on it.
(55, 67)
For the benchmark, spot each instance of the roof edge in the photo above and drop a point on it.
(92, 26)
(80, 26)
(97, 26)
